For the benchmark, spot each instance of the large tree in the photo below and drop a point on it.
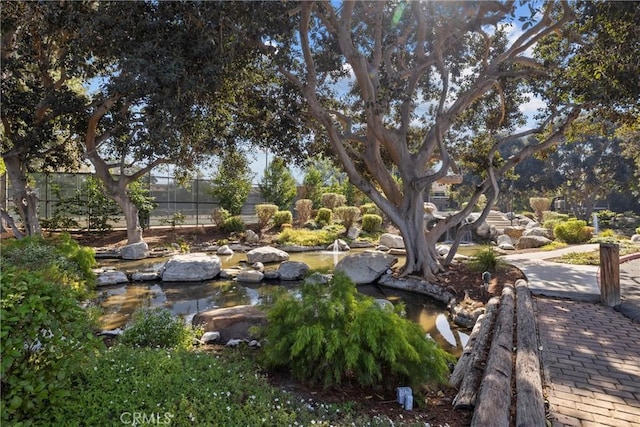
(42, 66)
(183, 81)
(429, 80)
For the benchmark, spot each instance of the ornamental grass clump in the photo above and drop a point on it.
(485, 259)
(331, 334)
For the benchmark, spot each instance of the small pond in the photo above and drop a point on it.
(186, 299)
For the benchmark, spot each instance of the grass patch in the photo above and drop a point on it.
(553, 246)
(593, 258)
(185, 388)
(304, 237)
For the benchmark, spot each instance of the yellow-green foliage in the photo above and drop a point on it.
(304, 237)
(550, 219)
(304, 207)
(219, 215)
(332, 333)
(333, 200)
(553, 246)
(324, 216)
(371, 222)
(265, 213)
(233, 224)
(370, 208)
(282, 217)
(573, 231)
(607, 233)
(348, 215)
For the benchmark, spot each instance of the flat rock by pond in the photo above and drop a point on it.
(107, 278)
(266, 254)
(365, 267)
(231, 322)
(292, 270)
(192, 267)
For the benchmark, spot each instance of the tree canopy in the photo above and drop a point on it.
(432, 84)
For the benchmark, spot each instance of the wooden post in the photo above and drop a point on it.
(610, 274)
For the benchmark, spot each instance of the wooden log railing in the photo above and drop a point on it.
(484, 378)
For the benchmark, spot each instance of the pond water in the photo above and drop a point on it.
(186, 299)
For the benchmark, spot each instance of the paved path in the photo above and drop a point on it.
(590, 353)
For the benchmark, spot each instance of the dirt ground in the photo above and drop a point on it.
(436, 406)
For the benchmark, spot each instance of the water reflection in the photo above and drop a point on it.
(186, 299)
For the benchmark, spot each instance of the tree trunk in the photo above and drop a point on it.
(134, 231)
(420, 245)
(24, 198)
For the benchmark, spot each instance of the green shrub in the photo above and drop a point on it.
(332, 334)
(573, 231)
(54, 256)
(529, 215)
(348, 215)
(178, 218)
(371, 222)
(333, 200)
(265, 213)
(370, 208)
(303, 208)
(485, 259)
(282, 217)
(324, 216)
(45, 337)
(638, 230)
(233, 224)
(607, 233)
(157, 327)
(304, 237)
(219, 216)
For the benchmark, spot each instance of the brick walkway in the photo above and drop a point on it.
(591, 363)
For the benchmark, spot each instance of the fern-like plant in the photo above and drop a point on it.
(333, 334)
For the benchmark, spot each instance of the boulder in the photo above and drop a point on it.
(231, 322)
(506, 247)
(210, 337)
(317, 278)
(527, 242)
(292, 270)
(266, 254)
(251, 238)
(271, 275)
(339, 246)
(443, 250)
(392, 241)
(365, 267)
(138, 250)
(224, 250)
(538, 231)
(145, 276)
(193, 267)
(515, 232)
(353, 233)
(250, 276)
(635, 238)
(107, 278)
(504, 239)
